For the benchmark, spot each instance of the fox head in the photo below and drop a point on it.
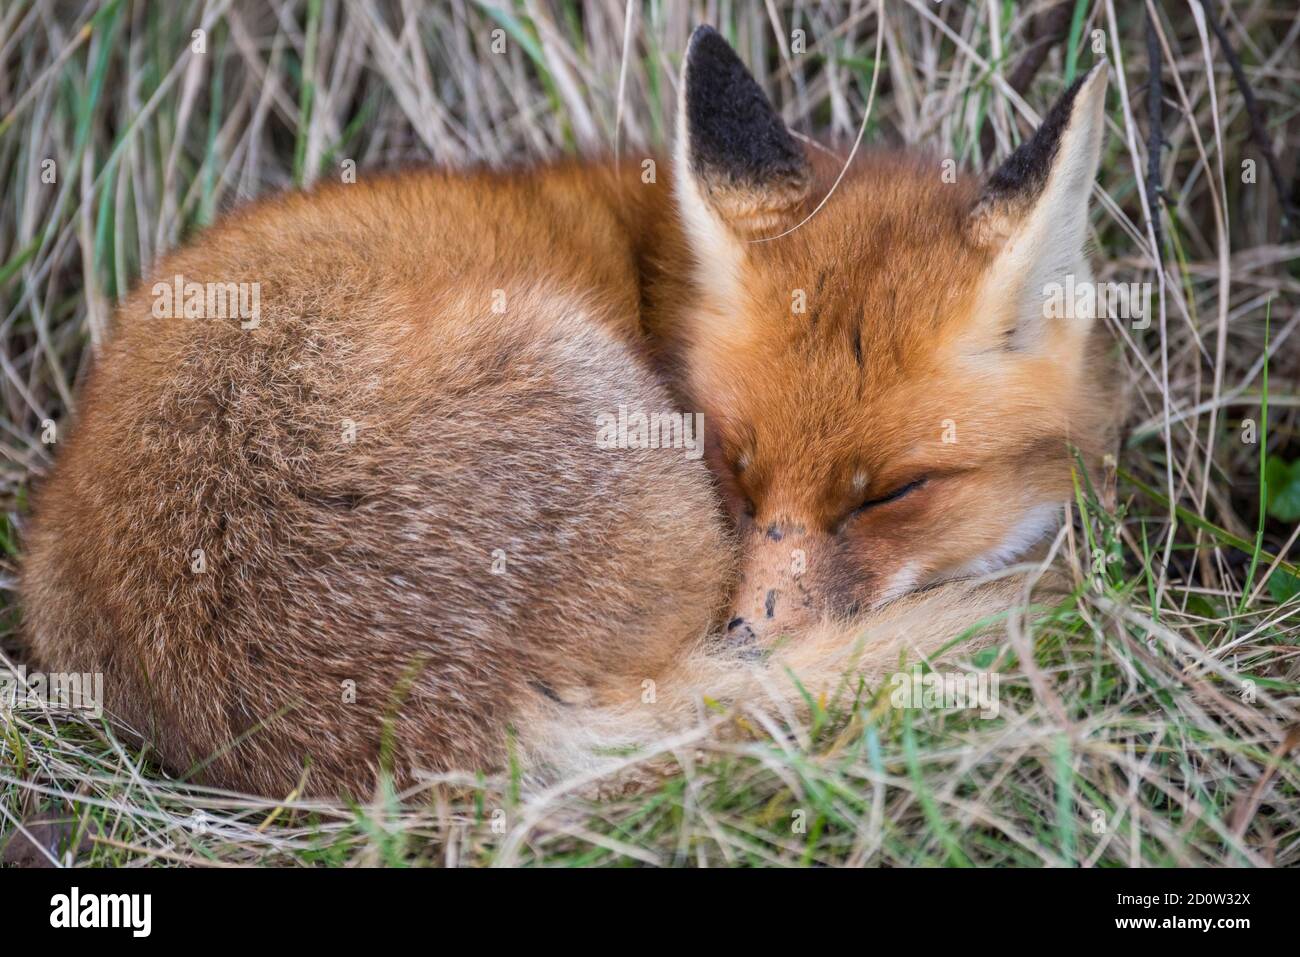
(887, 402)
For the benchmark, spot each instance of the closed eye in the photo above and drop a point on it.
(893, 496)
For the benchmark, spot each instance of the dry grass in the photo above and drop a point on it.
(1151, 719)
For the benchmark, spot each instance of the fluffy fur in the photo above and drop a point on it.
(283, 545)
(348, 602)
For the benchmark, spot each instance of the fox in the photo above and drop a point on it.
(367, 528)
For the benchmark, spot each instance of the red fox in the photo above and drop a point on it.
(364, 519)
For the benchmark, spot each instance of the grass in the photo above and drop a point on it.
(1149, 719)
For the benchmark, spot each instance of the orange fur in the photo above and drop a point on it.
(352, 466)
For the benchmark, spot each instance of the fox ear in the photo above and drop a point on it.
(1034, 212)
(738, 172)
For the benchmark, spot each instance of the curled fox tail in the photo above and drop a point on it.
(621, 733)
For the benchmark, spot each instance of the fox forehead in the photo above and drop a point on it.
(843, 322)
(889, 254)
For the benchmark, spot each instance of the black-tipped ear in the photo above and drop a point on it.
(1034, 214)
(1023, 175)
(731, 141)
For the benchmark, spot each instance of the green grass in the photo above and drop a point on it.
(1145, 719)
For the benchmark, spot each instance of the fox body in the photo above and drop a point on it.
(374, 525)
(382, 506)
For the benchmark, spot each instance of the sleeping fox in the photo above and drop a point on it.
(371, 523)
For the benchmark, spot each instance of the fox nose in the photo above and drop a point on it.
(775, 598)
(741, 635)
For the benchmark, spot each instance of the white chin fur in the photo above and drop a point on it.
(1033, 526)
(904, 580)
(1028, 532)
